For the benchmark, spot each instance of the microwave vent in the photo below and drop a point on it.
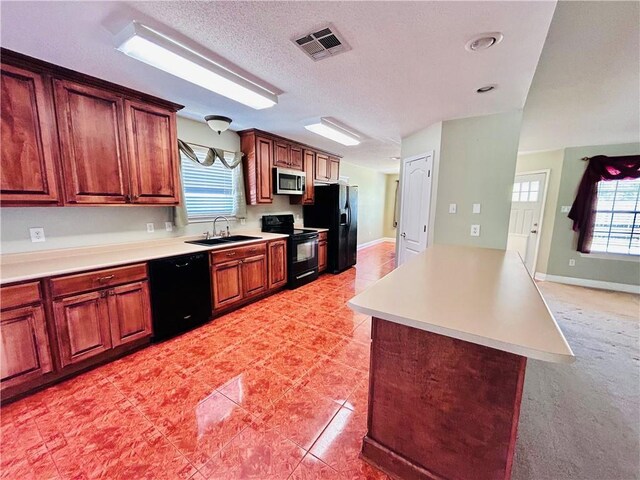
(323, 43)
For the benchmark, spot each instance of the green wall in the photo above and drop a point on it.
(388, 230)
(477, 165)
(563, 243)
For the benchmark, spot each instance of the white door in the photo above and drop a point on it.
(526, 216)
(414, 206)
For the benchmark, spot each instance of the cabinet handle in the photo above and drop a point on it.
(251, 250)
(105, 279)
(231, 254)
(103, 293)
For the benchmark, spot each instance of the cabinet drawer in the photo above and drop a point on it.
(322, 236)
(238, 252)
(18, 295)
(98, 279)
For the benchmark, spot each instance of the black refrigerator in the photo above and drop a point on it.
(336, 208)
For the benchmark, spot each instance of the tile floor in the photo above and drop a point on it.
(276, 390)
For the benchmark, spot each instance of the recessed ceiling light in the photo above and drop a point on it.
(486, 88)
(153, 48)
(334, 132)
(484, 41)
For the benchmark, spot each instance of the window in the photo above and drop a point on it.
(525, 191)
(617, 217)
(208, 191)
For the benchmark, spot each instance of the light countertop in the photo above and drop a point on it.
(478, 295)
(33, 265)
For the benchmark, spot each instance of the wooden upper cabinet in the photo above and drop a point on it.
(92, 140)
(258, 164)
(129, 312)
(82, 326)
(334, 169)
(282, 154)
(308, 197)
(25, 353)
(277, 254)
(295, 157)
(322, 167)
(254, 275)
(28, 140)
(152, 153)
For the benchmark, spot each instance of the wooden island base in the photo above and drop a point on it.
(441, 408)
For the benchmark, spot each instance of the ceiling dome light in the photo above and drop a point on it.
(484, 41)
(486, 88)
(218, 123)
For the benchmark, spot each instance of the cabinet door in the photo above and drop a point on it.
(152, 153)
(322, 167)
(310, 170)
(129, 312)
(254, 275)
(295, 156)
(322, 255)
(82, 326)
(25, 354)
(28, 137)
(226, 283)
(334, 169)
(92, 140)
(281, 157)
(264, 154)
(277, 264)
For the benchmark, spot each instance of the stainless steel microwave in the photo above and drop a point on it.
(288, 182)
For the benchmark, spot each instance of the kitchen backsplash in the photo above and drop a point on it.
(67, 227)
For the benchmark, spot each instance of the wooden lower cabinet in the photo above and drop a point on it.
(254, 275)
(25, 354)
(129, 313)
(322, 256)
(277, 252)
(82, 326)
(226, 283)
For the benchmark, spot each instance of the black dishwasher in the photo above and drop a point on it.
(180, 293)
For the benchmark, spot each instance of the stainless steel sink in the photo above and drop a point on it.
(223, 240)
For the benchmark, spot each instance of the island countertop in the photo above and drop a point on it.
(478, 295)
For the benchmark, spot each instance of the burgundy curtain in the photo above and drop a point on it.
(599, 168)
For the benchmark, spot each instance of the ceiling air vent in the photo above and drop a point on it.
(323, 43)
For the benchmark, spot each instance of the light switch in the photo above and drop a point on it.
(453, 208)
(565, 209)
(572, 262)
(475, 230)
(37, 234)
(168, 226)
(150, 228)
(476, 208)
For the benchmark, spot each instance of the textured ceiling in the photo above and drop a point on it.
(407, 68)
(586, 90)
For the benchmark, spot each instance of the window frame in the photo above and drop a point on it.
(202, 218)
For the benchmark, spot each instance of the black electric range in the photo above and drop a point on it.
(302, 248)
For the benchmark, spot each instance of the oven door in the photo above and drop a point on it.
(303, 260)
(289, 182)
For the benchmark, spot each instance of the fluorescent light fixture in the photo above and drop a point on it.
(334, 132)
(153, 48)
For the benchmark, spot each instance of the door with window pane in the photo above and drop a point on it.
(526, 216)
(617, 217)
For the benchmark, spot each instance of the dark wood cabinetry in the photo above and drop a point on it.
(226, 282)
(107, 145)
(24, 349)
(277, 263)
(322, 251)
(97, 311)
(29, 144)
(264, 151)
(254, 275)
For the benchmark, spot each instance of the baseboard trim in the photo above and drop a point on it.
(375, 242)
(585, 282)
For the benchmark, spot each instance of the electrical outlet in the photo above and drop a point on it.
(475, 230)
(243, 221)
(150, 228)
(572, 262)
(168, 226)
(476, 208)
(565, 209)
(37, 234)
(453, 208)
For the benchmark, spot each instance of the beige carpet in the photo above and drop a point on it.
(582, 421)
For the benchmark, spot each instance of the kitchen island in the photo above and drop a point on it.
(451, 334)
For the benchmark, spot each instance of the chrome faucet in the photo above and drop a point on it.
(222, 233)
